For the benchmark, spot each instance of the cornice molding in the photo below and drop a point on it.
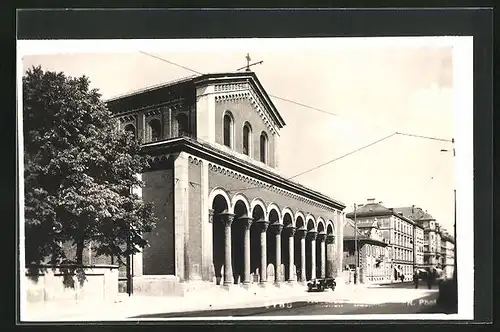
(243, 91)
(174, 104)
(248, 172)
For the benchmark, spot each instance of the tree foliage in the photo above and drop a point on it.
(79, 171)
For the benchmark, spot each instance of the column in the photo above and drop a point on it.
(322, 261)
(290, 231)
(277, 228)
(312, 235)
(330, 241)
(302, 235)
(247, 222)
(263, 224)
(210, 272)
(227, 220)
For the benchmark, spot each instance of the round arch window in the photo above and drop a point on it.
(154, 130)
(130, 129)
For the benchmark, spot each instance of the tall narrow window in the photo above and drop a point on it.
(182, 124)
(247, 132)
(228, 130)
(154, 130)
(263, 147)
(130, 129)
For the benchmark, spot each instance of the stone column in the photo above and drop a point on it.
(312, 236)
(263, 224)
(277, 228)
(302, 235)
(322, 261)
(330, 247)
(227, 220)
(247, 222)
(290, 231)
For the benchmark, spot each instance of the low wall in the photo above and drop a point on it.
(49, 283)
(158, 285)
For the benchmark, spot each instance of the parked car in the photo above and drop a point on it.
(319, 285)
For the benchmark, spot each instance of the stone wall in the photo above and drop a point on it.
(48, 284)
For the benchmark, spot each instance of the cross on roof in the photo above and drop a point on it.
(248, 61)
(247, 67)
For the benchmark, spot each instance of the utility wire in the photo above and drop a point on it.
(343, 156)
(312, 108)
(304, 105)
(297, 103)
(328, 162)
(426, 137)
(170, 62)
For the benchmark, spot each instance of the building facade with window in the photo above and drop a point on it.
(397, 230)
(435, 237)
(227, 217)
(448, 254)
(373, 252)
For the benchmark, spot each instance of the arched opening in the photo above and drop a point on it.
(271, 246)
(299, 224)
(263, 147)
(238, 241)
(154, 127)
(247, 139)
(255, 252)
(285, 248)
(228, 129)
(319, 258)
(219, 205)
(130, 129)
(309, 249)
(330, 252)
(182, 124)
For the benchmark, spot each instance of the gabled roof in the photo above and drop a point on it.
(369, 210)
(414, 213)
(199, 80)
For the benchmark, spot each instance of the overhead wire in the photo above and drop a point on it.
(315, 109)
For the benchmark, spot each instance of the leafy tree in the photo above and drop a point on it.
(79, 171)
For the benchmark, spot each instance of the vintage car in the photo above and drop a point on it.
(319, 285)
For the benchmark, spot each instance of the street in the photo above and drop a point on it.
(398, 298)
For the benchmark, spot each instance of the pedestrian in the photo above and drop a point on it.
(415, 278)
(429, 280)
(402, 277)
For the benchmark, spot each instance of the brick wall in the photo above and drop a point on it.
(158, 257)
(242, 111)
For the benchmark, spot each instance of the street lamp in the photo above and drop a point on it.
(356, 258)
(454, 223)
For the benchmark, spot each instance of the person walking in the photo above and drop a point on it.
(429, 279)
(415, 278)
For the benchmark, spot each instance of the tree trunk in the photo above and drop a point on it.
(80, 246)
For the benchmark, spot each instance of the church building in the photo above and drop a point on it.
(226, 216)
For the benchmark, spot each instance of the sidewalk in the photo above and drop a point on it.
(215, 299)
(125, 306)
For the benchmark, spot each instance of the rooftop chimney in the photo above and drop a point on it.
(413, 209)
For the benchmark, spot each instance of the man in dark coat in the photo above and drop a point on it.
(430, 278)
(415, 278)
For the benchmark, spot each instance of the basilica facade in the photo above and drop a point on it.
(226, 217)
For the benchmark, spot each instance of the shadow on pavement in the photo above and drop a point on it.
(424, 305)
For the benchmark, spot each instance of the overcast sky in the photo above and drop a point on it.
(374, 90)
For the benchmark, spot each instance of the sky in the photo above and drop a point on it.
(372, 89)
